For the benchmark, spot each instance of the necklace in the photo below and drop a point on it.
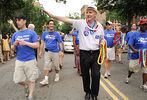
(91, 28)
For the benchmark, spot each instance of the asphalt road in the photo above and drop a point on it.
(70, 85)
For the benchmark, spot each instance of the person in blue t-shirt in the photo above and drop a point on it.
(109, 37)
(76, 50)
(136, 42)
(24, 41)
(61, 55)
(128, 36)
(51, 39)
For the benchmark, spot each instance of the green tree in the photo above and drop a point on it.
(124, 8)
(32, 13)
(8, 8)
(64, 1)
(66, 27)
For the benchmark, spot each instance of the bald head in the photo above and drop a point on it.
(31, 26)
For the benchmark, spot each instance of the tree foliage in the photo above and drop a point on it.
(64, 1)
(124, 8)
(66, 27)
(10, 8)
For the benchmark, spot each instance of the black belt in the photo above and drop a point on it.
(90, 51)
(46, 50)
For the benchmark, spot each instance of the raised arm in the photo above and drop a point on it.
(11, 23)
(60, 18)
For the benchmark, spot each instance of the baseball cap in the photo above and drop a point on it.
(108, 22)
(93, 8)
(20, 16)
(143, 21)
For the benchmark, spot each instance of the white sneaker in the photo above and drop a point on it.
(56, 78)
(127, 80)
(44, 82)
(144, 87)
(108, 73)
(30, 98)
(105, 75)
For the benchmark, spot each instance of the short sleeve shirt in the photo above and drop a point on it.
(88, 41)
(129, 34)
(109, 37)
(138, 41)
(77, 37)
(51, 40)
(25, 53)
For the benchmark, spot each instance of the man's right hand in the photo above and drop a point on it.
(135, 51)
(40, 55)
(16, 43)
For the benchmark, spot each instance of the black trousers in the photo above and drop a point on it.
(88, 60)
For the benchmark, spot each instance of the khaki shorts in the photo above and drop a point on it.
(134, 66)
(111, 53)
(25, 70)
(51, 59)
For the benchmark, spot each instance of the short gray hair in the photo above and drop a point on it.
(32, 25)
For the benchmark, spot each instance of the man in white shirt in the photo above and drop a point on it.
(90, 37)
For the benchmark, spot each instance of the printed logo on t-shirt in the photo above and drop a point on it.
(142, 40)
(96, 37)
(50, 37)
(86, 31)
(109, 35)
(24, 37)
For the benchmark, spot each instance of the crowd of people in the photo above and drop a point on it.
(88, 38)
(5, 49)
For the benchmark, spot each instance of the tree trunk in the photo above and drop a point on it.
(129, 22)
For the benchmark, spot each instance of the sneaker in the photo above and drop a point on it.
(120, 62)
(127, 80)
(3, 62)
(105, 75)
(144, 87)
(57, 78)
(108, 73)
(60, 66)
(50, 70)
(30, 98)
(44, 82)
(26, 91)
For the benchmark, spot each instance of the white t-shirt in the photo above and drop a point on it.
(88, 41)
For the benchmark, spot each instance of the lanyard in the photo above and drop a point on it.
(91, 28)
(143, 58)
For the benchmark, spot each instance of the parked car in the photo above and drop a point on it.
(68, 43)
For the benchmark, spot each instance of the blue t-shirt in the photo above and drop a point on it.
(138, 41)
(51, 40)
(77, 37)
(109, 37)
(129, 34)
(25, 53)
(62, 44)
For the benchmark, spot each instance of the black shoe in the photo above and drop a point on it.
(50, 70)
(87, 96)
(94, 97)
(60, 66)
